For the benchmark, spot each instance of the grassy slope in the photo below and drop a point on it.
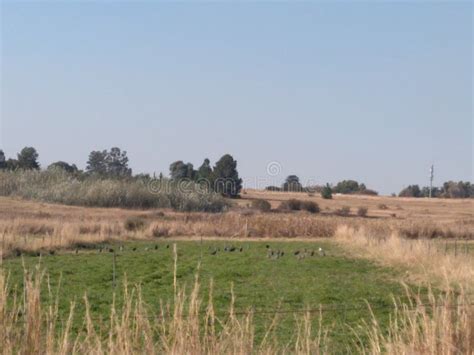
(258, 281)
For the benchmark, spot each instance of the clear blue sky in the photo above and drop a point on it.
(373, 92)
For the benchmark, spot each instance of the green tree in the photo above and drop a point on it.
(116, 162)
(326, 192)
(97, 164)
(3, 160)
(226, 177)
(205, 171)
(410, 191)
(28, 159)
(348, 187)
(459, 189)
(62, 165)
(178, 170)
(292, 183)
(12, 164)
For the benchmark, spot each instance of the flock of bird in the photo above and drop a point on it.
(122, 248)
(299, 254)
(271, 253)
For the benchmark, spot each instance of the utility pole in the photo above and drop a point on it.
(431, 180)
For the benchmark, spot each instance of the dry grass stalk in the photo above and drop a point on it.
(426, 260)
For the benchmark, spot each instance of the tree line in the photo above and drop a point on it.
(223, 178)
(449, 189)
(292, 184)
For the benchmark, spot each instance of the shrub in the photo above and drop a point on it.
(326, 192)
(368, 192)
(291, 205)
(273, 188)
(261, 205)
(134, 223)
(159, 231)
(362, 211)
(310, 206)
(344, 211)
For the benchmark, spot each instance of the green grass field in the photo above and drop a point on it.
(287, 283)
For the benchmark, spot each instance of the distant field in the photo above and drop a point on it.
(439, 210)
(285, 284)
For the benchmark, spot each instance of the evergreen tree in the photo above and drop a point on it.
(117, 163)
(28, 159)
(227, 181)
(3, 160)
(205, 171)
(326, 192)
(96, 164)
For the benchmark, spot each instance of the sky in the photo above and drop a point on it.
(375, 92)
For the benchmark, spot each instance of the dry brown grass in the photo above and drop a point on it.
(439, 325)
(426, 260)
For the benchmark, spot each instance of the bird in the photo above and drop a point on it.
(214, 252)
(121, 248)
(232, 248)
(77, 250)
(296, 253)
(111, 250)
(146, 249)
(134, 249)
(241, 249)
(269, 253)
(18, 253)
(312, 252)
(267, 246)
(322, 252)
(52, 252)
(156, 247)
(167, 246)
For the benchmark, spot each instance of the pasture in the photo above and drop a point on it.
(261, 283)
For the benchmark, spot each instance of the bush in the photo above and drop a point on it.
(134, 223)
(368, 192)
(344, 211)
(310, 206)
(273, 188)
(362, 211)
(291, 205)
(159, 231)
(261, 205)
(326, 192)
